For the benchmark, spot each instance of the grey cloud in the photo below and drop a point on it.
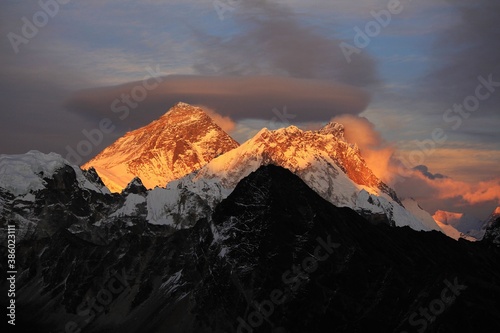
(275, 42)
(272, 60)
(424, 170)
(466, 49)
(247, 97)
(238, 97)
(469, 49)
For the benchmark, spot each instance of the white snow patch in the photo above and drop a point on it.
(158, 202)
(130, 205)
(24, 173)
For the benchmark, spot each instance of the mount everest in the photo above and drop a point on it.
(330, 165)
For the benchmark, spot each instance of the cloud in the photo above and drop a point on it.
(425, 171)
(449, 194)
(274, 40)
(447, 188)
(224, 122)
(467, 49)
(433, 191)
(471, 162)
(265, 56)
(469, 193)
(238, 97)
(376, 152)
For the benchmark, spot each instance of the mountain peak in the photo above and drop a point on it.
(184, 112)
(183, 105)
(182, 140)
(135, 187)
(298, 150)
(333, 128)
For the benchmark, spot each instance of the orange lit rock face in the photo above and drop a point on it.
(328, 141)
(300, 152)
(186, 139)
(349, 158)
(181, 141)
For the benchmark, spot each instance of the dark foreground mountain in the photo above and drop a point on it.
(273, 257)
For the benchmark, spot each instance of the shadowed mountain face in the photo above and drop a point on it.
(273, 257)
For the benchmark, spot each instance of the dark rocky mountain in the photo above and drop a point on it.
(273, 257)
(492, 228)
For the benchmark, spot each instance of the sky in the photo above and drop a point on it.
(417, 81)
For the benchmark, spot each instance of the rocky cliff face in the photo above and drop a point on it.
(183, 140)
(492, 228)
(42, 194)
(273, 257)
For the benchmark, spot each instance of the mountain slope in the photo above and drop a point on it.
(323, 159)
(24, 173)
(271, 241)
(492, 228)
(463, 225)
(182, 140)
(42, 194)
(186, 140)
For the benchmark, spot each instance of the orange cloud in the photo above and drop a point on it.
(376, 152)
(485, 191)
(380, 157)
(471, 193)
(461, 161)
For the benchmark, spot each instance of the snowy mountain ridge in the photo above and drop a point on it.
(331, 166)
(196, 165)
(24, 173)
(459, 225)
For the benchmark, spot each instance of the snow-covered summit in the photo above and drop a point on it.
(295, 150)
(325, 161)
(24, 173)
(182, 140)
(336, 129)
(135, 186)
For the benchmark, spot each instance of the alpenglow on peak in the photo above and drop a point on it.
(184, 139)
